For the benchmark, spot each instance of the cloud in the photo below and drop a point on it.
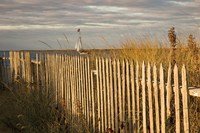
(105, 16)
(185, 3)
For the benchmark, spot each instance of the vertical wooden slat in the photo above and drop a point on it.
(115, 97)
(47, 72)
(144, 113)
(76, 102)
(123, 96)
(75, 85)
(138, 97)
(42, 73)
(150, 98)
(128, 92)
(82, 87)
(37, 69)
(79, 88)
(4, 69)
(92, 95)
(185, 100)
(99, 89)
(15, 65)
(58, 78)
(169, 90)
(69, 85)
(98, 95)
(82, 91)
(11, 65)
(111, 94)
(23, 65)
(53, 75)
(65, 82)
(177, 99)
(85, 89)
(133, 97)
(72, 87)
(120, 95)
(156, 97)
(105, 105)
(28, 66)
(87, 92)
(101, 96)
(108, 95)
(162, 97)
(62, 76)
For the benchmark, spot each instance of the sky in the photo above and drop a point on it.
(28, 24)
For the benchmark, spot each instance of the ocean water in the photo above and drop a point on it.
(33, 54)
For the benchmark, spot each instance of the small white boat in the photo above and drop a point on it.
(78, 45)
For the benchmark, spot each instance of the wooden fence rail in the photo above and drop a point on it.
(113, 95)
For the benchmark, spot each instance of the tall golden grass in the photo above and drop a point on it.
(155, 51)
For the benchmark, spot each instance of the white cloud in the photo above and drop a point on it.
(107, 8)
(27, 1)
(106, 25)
(186, 4)
(31, 27)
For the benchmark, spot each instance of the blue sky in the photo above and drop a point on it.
(103, 23)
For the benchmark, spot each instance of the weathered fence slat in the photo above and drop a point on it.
(156, 97)
(108, 95)
(116, 96)
(144, 111)
(133, 94)
(104, 89)
(98, 95)
(169, 90)
(162, 97)
(128, 96)
(149, 84)
(177, 99)
(92, 95)
(185, 100)
(111, 95)
(123, 96)
(138, 97)
(120, 95)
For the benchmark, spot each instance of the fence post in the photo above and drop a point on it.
(150, 98)
(169, 90)
(115, 96)
(93, 95)
(162, 97)
(105, 104)
(156, 97)
(185, 101)
(98, 95)
(11, 65)
(108, 94)
(133, 94)
(128, 95)
(138, 97)
(123, 96)
(111, 95)
(120, 95)
(144, 111)
(177, 99)
(28, 67)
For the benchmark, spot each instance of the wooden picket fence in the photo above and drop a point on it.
(113, 95)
